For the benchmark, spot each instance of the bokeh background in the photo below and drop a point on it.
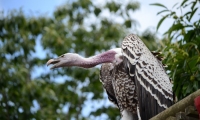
(31, 32)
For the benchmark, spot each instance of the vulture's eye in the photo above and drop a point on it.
(62, 55)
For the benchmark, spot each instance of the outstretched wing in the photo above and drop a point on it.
(153, 85)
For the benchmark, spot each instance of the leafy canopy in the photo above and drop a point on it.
(182, 51)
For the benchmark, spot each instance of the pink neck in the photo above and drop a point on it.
(105, 57)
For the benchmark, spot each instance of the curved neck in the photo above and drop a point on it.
(105, 57)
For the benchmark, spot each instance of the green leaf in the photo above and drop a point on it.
(189, 45)
(183, 3)
(192, 62)
(193, 5)
(196, 85)
(128, 23)
(174, 73)
(175, 27)
(189, 35)
(162, 11)
(192, 13)
(158, 4)
(97, 11)
(160, 22)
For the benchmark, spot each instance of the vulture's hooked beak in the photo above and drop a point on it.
(56, 63)
(65, 60)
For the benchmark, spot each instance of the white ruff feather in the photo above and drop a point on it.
(126, 115)
(118, 56)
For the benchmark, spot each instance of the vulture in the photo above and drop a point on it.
(134, 78)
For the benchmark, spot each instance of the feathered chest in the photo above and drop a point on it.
(125, 89)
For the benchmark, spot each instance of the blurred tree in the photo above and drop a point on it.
(28, 90)
(183, 46)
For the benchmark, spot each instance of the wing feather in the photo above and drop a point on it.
(154, 89)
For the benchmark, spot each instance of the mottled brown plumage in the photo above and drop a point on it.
(125, 89)
(119, 85)
(106, 78)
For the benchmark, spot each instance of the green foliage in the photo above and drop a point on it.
(182, 49)
(28, 89)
